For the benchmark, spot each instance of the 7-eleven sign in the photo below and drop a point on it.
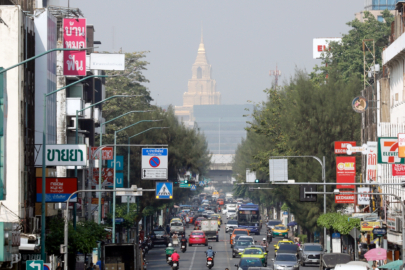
(388, 151)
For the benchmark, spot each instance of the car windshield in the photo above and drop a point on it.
(159, 232)
(197, 233)
(232, 222)
(253, 251)
(250, 262)
(274, 222)
(176, 224)
(240, 232)
(313, 248)
(280, 228)
(287, 248)
(243, 243)
(231, 211)
(286, 258)
(285, 243)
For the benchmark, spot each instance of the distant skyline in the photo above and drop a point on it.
(244, 40)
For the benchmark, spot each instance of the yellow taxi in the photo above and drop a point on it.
(282, 242)
(280, 230)
(176, 219)
(218, 216)
(255, 253)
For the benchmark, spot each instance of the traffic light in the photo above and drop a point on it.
(257, 181)
(186, 181)
(307, 197)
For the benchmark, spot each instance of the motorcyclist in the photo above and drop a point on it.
(265, 244)
(210, 252)
(175, 258)
(183, 240)
(169, 250)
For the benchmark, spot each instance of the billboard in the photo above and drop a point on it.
(345, 171)
(371, 162)
(108, 153)
(363, 199)
(66, 155)
(109, 61)
(341, 147)
(321, 45)
(107, 176)
(345, 197)
(74, 36)
(57, 189)
(388, 151)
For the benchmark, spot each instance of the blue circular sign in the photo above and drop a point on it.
(154, 162)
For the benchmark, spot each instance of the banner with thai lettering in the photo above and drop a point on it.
(57, 189)
(398, 170)
(345, 197)
(345, 171)
(74, 36)
(66, 155)
(372, 148)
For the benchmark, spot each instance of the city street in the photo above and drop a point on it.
(194, 257)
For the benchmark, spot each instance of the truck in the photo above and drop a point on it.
(228, 196)
(176, 227)
(121, 256)
(210, 227)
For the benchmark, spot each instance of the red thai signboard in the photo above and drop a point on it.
(74, 36)
(341, 147)
(345, 197)
(57, 189)
(398, 170)
(345, 171)
(107, 176)
(108, 153)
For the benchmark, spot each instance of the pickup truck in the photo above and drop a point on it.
(176, 227)
(210, 228)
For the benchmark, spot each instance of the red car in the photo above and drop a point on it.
(197, 238)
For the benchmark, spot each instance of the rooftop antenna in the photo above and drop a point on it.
(276, 73)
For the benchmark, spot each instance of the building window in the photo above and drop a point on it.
(199, 73)
(380, 18)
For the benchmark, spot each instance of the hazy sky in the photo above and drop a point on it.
(243, 39)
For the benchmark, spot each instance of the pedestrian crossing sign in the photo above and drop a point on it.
(164, 190)
(193, 187)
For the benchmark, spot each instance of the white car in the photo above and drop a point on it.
(224, 209)
(231, 213)
(231, 207)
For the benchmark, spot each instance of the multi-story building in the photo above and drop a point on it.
(375, 7)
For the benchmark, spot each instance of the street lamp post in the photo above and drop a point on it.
(129, 166)
(114, 173)
(323, 180)
(43, 256)
(101, 158)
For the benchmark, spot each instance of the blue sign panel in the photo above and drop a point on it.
(119, 161)
(201, 183)
(335, 235)
(164, 190)
(119, 220)
(154, 152)
(193, 187)
(119, 180)
(379, 231)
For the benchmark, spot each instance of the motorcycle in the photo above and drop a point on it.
(183, 247)
(175, 266)
(169, 260)
(210, 262)
(269, 236)
(150, 243)
(145, 264)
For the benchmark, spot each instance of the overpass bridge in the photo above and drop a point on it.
(220, 171)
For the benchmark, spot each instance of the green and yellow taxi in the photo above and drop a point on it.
(254, 252)
(282, 242)
(218, 216)
(280, 230)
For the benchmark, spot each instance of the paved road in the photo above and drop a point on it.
(194, 258)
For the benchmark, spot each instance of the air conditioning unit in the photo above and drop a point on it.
(72, 124)
(74, 104)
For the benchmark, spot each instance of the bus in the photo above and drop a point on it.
(249, 217)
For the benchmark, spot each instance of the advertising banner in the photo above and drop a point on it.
(398, 170)
(363, 199)
(345, 171)
(371, 162)
(341, 147)
(74, 36)
(107, 176)
(95, 200)
(110, 61)
(401, 145)
(368, 226)
(321, 45)
(66, 155)
(57, 189)
(388, 151)
(108, 153)
(345, 197)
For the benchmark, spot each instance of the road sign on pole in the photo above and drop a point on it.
(164, 190)
(193, 187)
(154, 163)
(35, 265)
(119, 163)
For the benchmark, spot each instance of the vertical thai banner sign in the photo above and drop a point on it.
(398, 170)
(74, 36)
(371, 162)
(401, 145)
(345, 171)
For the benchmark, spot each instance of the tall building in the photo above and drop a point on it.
(375, 7)
(201, 87)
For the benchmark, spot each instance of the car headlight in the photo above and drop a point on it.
(297, 265)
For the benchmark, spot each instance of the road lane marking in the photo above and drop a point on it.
(192, 260)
